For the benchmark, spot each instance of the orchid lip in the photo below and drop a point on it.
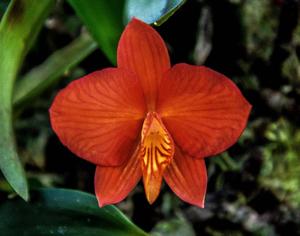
(156, 153)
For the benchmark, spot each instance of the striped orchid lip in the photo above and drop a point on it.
(146, 119)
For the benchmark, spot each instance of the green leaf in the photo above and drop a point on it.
(18, 30)
(104, 21)
(63, 212)
(49, 72)
(152, 12)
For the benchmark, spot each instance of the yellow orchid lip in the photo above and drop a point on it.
(146, 119)
(156, 153)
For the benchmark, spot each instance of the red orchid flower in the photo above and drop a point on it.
(148, 119)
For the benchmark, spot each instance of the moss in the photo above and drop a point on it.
(281, 169)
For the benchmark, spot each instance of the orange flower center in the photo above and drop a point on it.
(156, 153)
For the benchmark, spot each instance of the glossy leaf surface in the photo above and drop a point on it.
(63, 212)
(104, 20)
(156, 12)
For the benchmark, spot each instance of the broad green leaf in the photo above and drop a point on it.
(49, 72)
(18, 29)
(152, 12)
(104, 21)
(63, 212)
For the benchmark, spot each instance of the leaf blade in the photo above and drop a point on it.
(18, 30)
(104, 21)
(64, 212)
(51, 70)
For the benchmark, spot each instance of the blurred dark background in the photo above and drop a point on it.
(253, 188)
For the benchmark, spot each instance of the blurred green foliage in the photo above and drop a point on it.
(3, 6)
(19, 28)
(281, 169)
(260, 24)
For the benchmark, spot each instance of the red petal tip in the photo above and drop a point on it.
(113, 184)
(187, 177)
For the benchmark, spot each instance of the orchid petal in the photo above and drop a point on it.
(203, 110)
(113, 183)
(187, 177)
(142, 50)
(99, 116)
